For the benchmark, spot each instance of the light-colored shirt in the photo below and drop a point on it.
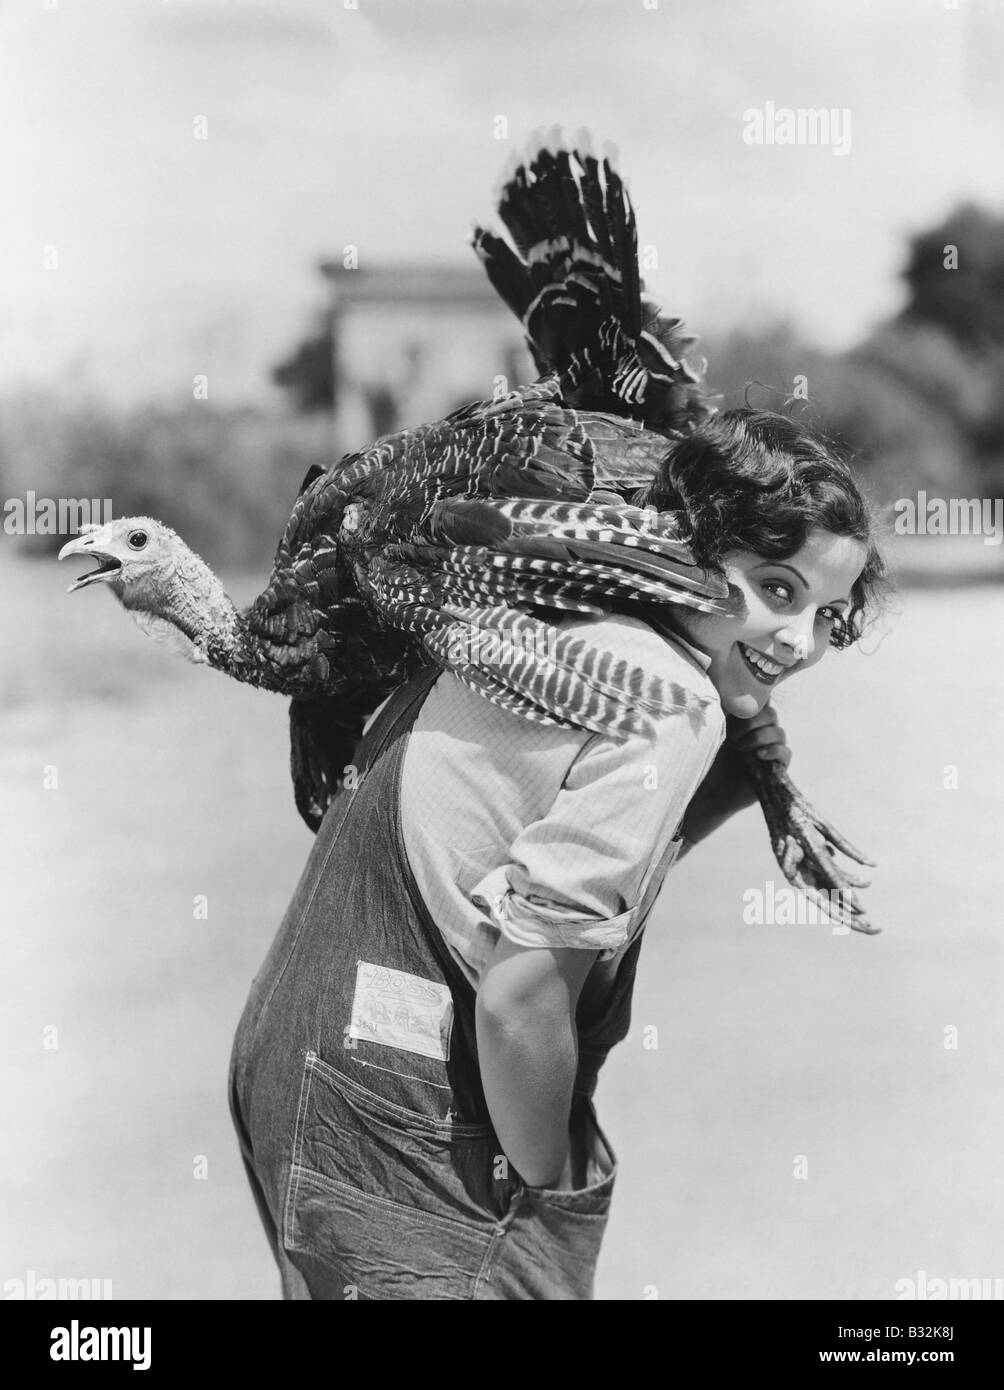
(556, 837)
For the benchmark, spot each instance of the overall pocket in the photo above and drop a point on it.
(552, 1246)
(384, 1202)
(592, 1197)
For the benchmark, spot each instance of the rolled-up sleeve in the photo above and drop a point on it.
(581, 875)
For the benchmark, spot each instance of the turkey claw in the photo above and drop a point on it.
(805, 847)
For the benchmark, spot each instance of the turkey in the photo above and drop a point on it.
(485, 528)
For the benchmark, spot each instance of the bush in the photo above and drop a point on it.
(224, 479)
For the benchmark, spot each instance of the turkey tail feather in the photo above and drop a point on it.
(574, 283)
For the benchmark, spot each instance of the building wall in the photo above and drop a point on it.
(433, 345)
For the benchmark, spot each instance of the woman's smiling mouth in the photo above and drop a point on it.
(761, 666)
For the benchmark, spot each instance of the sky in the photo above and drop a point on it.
(134, 255)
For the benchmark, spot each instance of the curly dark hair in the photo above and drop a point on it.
(755, 480)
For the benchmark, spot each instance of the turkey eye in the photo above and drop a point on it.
(137, 539)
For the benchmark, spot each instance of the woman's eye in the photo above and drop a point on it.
(772, 585)
(828, 615)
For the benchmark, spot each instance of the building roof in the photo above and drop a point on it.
(434, 286)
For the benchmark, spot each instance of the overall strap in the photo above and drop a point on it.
(399, 709)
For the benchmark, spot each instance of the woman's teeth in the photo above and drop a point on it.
(763, 669)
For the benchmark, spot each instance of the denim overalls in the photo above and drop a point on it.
(375, 1167)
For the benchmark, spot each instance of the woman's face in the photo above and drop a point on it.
(785, 612)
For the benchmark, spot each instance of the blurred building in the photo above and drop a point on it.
(412, 342)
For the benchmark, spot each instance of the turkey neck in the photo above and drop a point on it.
(193, 600)
(199, 606)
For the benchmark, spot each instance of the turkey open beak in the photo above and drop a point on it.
(87, 543)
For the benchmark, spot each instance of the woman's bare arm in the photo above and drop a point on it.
(528, 1051)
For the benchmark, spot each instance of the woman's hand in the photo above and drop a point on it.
(727, 789)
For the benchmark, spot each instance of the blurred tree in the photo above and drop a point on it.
(988, 434)
(929, 362)
(901, 438)
(384, 410)
(310, 374)
(759, 367)
(967, 300)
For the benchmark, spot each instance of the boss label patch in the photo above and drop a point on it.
(400, 1010)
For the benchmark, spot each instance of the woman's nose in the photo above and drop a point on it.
(798, 640)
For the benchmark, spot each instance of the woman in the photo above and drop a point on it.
(412, 1076)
